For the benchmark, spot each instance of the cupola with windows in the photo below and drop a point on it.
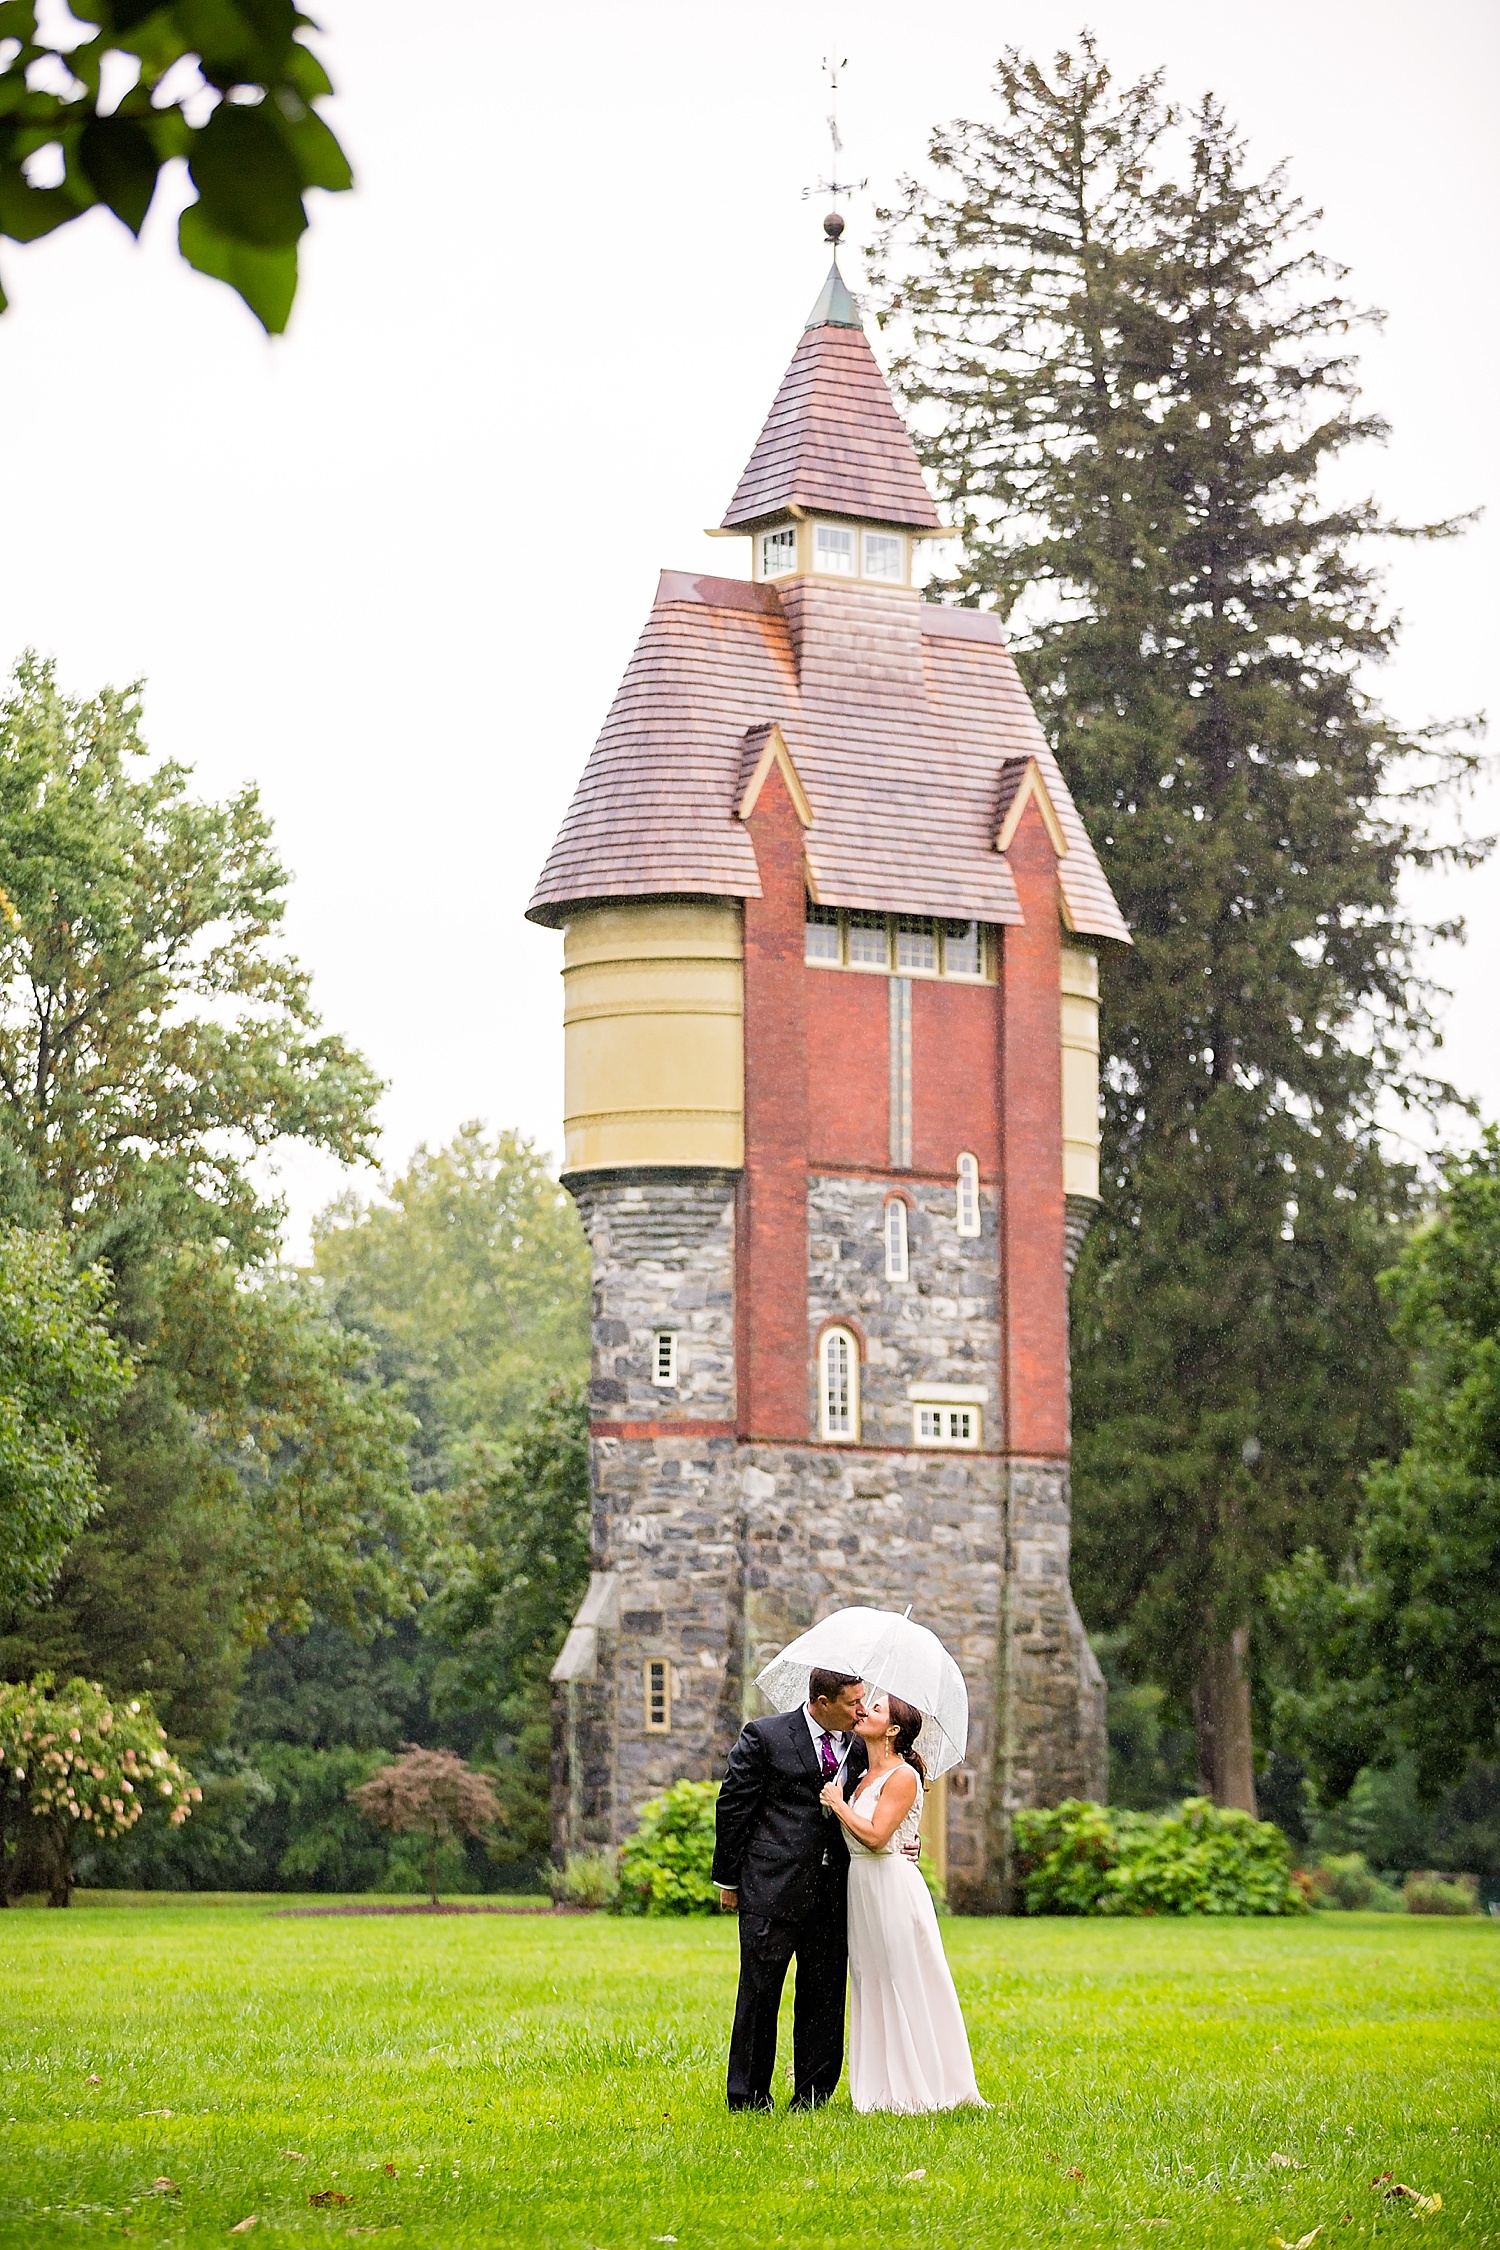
(833, 488)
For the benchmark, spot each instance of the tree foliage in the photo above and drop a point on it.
(472, 1275)
(60, 1373)
(431, 1793)
(84, 1765)
(1132, 372)
(151, 1038)
(1401, 1654)
(229, 85)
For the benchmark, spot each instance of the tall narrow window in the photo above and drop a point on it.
(658, 1695)
(838, 1385)
(778, 552)
(968, 1194)
(822, 933)
(833, 550)
(895, 1240)
(664, 1359)
(916, 944)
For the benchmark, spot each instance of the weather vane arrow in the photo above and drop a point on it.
(834, 186)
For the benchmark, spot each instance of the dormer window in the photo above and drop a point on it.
(885, 555)
(778, 552)
(833, 550)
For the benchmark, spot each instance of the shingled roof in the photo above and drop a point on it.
(833, 440)
(907, 725)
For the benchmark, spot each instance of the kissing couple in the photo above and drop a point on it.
(816, 1851)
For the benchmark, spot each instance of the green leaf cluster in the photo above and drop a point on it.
(61, 1372)
(84, 1765)
(1082, 1858)
(252, 157)
(1130, 370)
(665, 1867)
(1400, 1653)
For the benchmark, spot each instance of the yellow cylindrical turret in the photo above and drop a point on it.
(1080, 1068)
(654, 1049)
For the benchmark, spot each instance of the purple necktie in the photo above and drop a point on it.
(828, 1758)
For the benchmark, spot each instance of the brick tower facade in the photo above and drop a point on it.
(830, 930)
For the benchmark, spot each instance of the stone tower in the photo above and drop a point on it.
(830, 924)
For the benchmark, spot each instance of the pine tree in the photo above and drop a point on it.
(1131, 372)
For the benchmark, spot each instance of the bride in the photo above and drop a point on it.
(908, 2049)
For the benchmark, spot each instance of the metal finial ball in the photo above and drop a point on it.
(833, 226)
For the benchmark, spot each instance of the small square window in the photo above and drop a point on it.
(778, 552)
(884, 556)
(946, 1425)
(664, 1359)
(833, 550)
(869, 945)
(823, 933)
(963, 951)
(658, 1695)
(916, 945)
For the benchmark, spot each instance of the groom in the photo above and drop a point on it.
(781, 1864)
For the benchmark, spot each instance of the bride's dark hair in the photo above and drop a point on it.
(908, 1725)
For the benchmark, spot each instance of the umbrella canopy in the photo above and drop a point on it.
(889, 1653)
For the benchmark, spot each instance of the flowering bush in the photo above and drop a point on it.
(85, 1765)
(664, 1866)
(1082, 1858)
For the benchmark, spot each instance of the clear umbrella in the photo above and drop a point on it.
(887, 1652)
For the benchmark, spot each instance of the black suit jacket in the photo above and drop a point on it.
(774, 1842)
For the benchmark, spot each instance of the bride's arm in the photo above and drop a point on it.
(891, 1808)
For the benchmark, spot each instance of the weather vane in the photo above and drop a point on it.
(833, 225)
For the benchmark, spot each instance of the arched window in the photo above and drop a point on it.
(838, 1385)
(895, 1240)
(968, 1194)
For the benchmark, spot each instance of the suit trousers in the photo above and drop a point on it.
(820, 1943)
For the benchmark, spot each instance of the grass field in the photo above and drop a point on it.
(536, 2081)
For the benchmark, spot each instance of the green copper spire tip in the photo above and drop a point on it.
(835, 308)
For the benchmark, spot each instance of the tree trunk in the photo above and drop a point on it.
(60, 1891)
(1221, 1714)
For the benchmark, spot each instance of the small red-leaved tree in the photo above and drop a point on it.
(431, 1793)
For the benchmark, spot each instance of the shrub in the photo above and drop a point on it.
(1441, 1894)
(586, 1879)
(1083, 1858)
(86, 1767)
(664, 1867)
(1346, 1880)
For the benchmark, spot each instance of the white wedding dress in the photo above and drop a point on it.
(908, 2049)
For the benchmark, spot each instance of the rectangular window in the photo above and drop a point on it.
(883, 555)
(658, 1695)
(966, 1203)
(838, 1381)
(869, 945)
(833, 550)
(778, 552)
(916, 945)
(946, 1425)
(963, 953)
(664, 1358)
(823, 933)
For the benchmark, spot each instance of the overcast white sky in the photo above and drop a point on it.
(391, 566)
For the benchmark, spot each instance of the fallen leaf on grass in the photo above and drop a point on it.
(1288, 2163)
(1074, 2173)
(1398, 2190)
(164, 2186)
(93, 2079)
(919, 2174)
(294, 2156)
(243, 2226)
(153, 2113)
(389, 2171)
(1302, 2242)
(324, 2199)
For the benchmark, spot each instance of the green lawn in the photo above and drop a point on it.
(558, 2082)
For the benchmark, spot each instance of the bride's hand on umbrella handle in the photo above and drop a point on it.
(832, 1796)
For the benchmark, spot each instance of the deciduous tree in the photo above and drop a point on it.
(429, 1793)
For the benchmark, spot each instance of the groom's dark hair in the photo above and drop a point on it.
(824, 1686)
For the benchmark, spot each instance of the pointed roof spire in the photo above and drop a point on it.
(833, 439)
